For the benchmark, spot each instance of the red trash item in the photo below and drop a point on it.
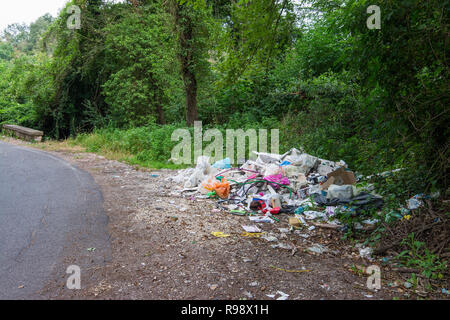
(275, 210)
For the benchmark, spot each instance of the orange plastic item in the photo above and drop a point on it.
(221, 188)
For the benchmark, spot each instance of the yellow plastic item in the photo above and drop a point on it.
(220, 234)
(252, 234)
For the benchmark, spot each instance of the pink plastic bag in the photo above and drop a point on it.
(278, 178)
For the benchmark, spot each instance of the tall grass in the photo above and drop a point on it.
(145, 146)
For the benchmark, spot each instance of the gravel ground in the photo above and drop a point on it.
(162, 248)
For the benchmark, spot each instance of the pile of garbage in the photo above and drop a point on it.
(311, 189)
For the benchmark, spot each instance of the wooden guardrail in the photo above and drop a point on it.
(24, 133)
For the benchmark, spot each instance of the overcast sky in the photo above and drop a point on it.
(12, 11)
(20, 11)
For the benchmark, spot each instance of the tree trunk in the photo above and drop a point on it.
(185, 25)
(190, 84)
(160, 111)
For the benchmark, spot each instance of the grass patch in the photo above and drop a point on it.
(148, 147)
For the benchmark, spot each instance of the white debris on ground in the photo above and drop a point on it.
(309, 189)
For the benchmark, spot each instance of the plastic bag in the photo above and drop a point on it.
(272, 170)
(278, 178)
(340, 192)
(221, 188)
(200, 173)
(222, 164)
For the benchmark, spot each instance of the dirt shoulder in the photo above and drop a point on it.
(162, 247)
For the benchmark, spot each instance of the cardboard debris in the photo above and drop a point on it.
(295, 222)
(341, 177)
(326, 184)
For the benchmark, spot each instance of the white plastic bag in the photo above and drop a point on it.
(201, 172)
(340, 192)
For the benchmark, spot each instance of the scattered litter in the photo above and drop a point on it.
(312, 215)
(282, 246)
(415, 202)
(330, 210)
(325, 286)
(220, 234)
(283, 296)
(251, 229)
(296, 221)
(370, 221)
(317, 248)
(393, 284)
(269, 238)
(286, 270)
(213, 286)
(252, 234)
(260, 219)
(365, 252)
(327, 225)
(303, 235)
(358, 226)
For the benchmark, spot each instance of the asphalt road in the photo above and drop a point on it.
(50, 214)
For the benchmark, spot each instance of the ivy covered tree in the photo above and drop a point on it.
(192, 27)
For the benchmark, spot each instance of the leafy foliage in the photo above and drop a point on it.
(374, 98)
